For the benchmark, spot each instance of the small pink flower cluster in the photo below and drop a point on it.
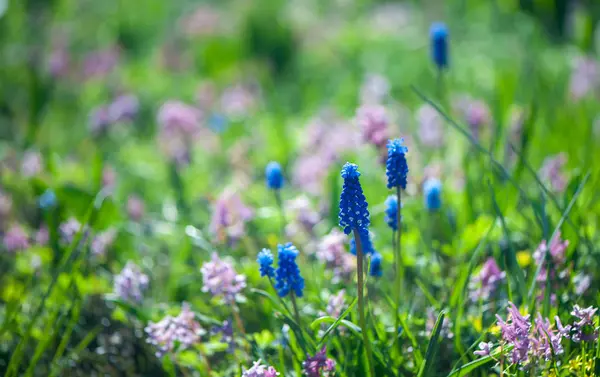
(220, 279)
(182, 330)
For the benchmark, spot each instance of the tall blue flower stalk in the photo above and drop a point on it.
(275, 182)
(397, 175)
(354, 218)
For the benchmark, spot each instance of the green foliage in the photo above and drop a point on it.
(281, 81)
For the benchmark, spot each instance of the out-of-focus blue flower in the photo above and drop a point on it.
(432, 191)
(354, 213)
(365, 242)
(375, 269)
(274, 175)
(218, 122)
(391, 212)
(265, 262)
(396, 166)
(439, 44)
(287, 276)
(47, 199)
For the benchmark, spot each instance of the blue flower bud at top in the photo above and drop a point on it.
(354, 212)
(439, 44)
(432, 192)
(396, 167)
(287, 276)
(274, 175)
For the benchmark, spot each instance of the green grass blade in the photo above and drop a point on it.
(531, 293)
(66, 262)
(516, 273)
(468, 368)
(337, 322)
(432, 348)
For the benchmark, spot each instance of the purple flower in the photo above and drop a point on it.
(556, 251)
(552, 171)
(15, 239)
(59, 59)
(335, 305)
(373, 122)
(585, 77)
(484, 349)
(487, 281)
(259, 370)
(123, 108)
(431, 129)
(180, 127)
(585, 318)
(332, 252)
(178, 117)
(327, 139)
(135, 207)
(42, 236)
(220, 279)
(130, 283)
(304, 218)
(318, 365)
(515, 332)
(69, 229)
(100, 63)
(31, 164)
(169, 332)
(475, 112)
(229, 217)
(102, 241)
(582, 283)
(375, 89)
(203, 21)
(99, 120)
(109, 177)
(238, 101)
(226, 332)
(545, 341)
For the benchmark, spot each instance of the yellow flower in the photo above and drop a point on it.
(524, 258)
(272, 240)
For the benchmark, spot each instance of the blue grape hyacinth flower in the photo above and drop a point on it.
(375, 269)
(396, 165)
(439, 44)
(47, 199)
(265, 263)
(274, 175)
(354, 212)
(287, 275)
(365, 242)
(432, 192)
(391, 212)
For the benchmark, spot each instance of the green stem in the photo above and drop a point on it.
(295, 306)
(398, 257)
(281, 212)
(361, 301)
